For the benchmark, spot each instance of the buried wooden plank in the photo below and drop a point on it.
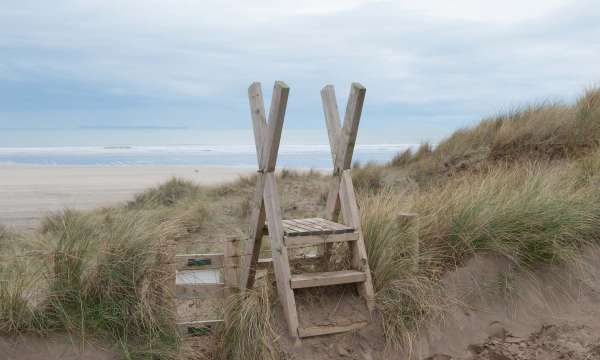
(199, 261)
(329, 329)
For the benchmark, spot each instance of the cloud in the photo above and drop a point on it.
(460, 59)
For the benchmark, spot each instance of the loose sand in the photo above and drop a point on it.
(27, 193)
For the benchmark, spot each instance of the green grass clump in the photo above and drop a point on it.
(368, 177)
(98, 275)
(402, 158)
(403, 295)
(545, 131)
(167, 194)
(107, 279)
(533, 213)
(250, 334)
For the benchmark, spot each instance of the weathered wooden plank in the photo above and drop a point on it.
(264, 263)
(199, 291)
(310, 225)
(332, 118)
(198, 261)
(327, 226)
(314, 240)
(259, 122)
(307, 229)
(350, 128)
(330, 329)
(291, 228)
(230, 273)
(320, 227)
(336, 225)
(279, 254)
(351, 215)
(275, 124)
(256, 232)
(300, 224)
(198, 328)
(327, 278)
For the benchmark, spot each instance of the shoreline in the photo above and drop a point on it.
(30, 192)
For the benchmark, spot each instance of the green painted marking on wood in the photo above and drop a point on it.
(196, 331)
(199, 262)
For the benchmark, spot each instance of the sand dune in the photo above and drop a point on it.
(27, 193)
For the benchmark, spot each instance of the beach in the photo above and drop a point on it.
(29, 192)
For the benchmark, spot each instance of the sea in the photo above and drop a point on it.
(124, 146)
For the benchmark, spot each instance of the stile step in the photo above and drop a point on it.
(327, 278)
(313, 240)
(329, 329)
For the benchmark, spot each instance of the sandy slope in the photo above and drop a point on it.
(29, 192)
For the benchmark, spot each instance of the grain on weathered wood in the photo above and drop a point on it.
(332, 117)
(230, 274)
(279, 253)
(314, 240)
(231, 264)
(254, 240)
(259, 122)
(275, 124)
(351, 215)
(330, 329)
(328, 278)
(350, 127)
(190, 291)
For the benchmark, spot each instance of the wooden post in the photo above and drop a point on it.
(230, 273)
(166, 259)
(360, 260)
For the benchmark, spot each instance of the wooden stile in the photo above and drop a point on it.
(293, 233)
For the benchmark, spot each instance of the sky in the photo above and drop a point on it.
(429, 66)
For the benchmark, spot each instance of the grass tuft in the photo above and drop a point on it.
(250, 335)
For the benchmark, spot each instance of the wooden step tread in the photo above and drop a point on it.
(313, 226)
(327, 278)
(330, 329)
(312, 240)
